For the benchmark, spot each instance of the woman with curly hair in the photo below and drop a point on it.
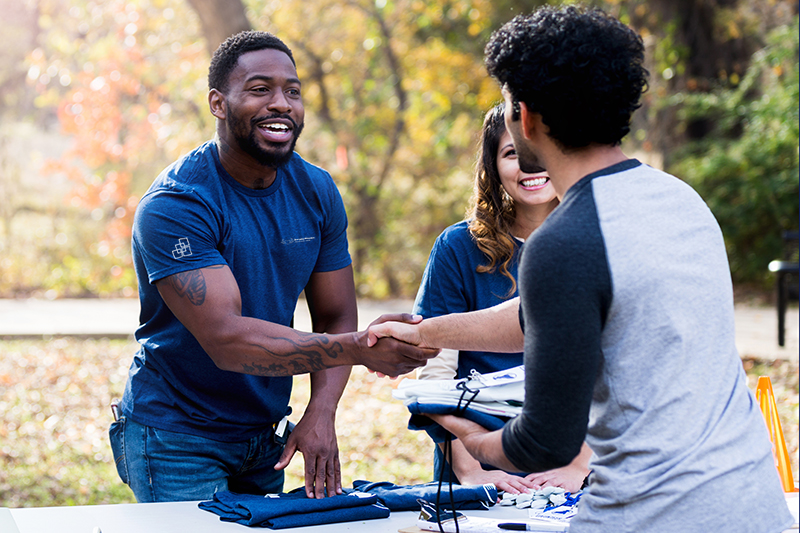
(473, 265)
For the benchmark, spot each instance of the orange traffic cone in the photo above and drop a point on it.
(766, 399)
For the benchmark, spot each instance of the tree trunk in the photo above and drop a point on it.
(219, 19)
(710, 50)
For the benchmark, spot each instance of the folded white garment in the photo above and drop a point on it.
(489, 408)
(499, 393)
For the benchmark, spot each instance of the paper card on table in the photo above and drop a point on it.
(502, 377)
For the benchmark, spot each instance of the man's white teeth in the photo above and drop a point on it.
(276, 127)
(534, 182)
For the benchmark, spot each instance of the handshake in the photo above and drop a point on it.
(395, 345)
(412, 340)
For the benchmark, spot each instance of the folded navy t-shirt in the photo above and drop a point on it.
(419, 421)
(405, 497)
(294, 509)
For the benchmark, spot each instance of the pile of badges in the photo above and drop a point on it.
(536, 499)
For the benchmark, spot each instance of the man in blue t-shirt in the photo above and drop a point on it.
(625, 310)
(224, 242)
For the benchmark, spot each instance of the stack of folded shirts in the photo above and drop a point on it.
(293, 509)
(490, 399)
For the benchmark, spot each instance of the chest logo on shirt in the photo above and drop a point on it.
(182, 249)
(298, 240)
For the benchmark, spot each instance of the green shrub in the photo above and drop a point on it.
(746, 168)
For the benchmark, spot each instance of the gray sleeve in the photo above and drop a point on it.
(565, 289)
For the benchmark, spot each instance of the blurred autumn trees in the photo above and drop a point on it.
(96, 97)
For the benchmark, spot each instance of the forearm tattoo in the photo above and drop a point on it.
(307, 355)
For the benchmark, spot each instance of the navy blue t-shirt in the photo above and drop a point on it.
(195, 215)
(451, 284)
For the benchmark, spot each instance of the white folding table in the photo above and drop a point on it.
(181, 517)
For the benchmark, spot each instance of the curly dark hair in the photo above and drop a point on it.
(581, 69)
(227, 55)
(492, 212)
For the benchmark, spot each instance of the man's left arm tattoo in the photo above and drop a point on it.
(306, 356)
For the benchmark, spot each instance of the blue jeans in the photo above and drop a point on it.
(163, 466)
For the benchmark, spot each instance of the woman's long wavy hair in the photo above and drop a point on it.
(492, 212)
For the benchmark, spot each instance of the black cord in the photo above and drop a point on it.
(447, 452)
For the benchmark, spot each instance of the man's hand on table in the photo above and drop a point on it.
(315, 437)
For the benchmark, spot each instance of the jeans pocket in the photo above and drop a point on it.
(116, 435)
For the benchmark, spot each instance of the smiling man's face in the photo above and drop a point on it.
(264, 106)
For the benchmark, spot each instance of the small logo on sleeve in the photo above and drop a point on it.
(182, 249)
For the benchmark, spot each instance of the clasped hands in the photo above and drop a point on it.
(401, 327)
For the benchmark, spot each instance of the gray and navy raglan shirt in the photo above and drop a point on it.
(627, 308)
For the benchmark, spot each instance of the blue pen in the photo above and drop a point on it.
(516, 526)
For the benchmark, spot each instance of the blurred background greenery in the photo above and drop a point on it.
(96, 97)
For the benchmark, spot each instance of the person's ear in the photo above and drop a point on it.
(530, 122)
(216, 102)
(526, 120)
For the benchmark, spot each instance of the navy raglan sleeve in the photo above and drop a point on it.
(565, 289)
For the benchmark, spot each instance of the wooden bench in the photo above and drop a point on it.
(787, 272)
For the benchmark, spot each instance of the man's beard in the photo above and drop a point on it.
(247, 140)
(527, 160)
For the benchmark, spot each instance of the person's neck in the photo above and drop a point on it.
(529, 217)
(242, 167)
(566, 169)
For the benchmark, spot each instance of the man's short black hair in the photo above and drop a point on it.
(227, 55)
(582, 70)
